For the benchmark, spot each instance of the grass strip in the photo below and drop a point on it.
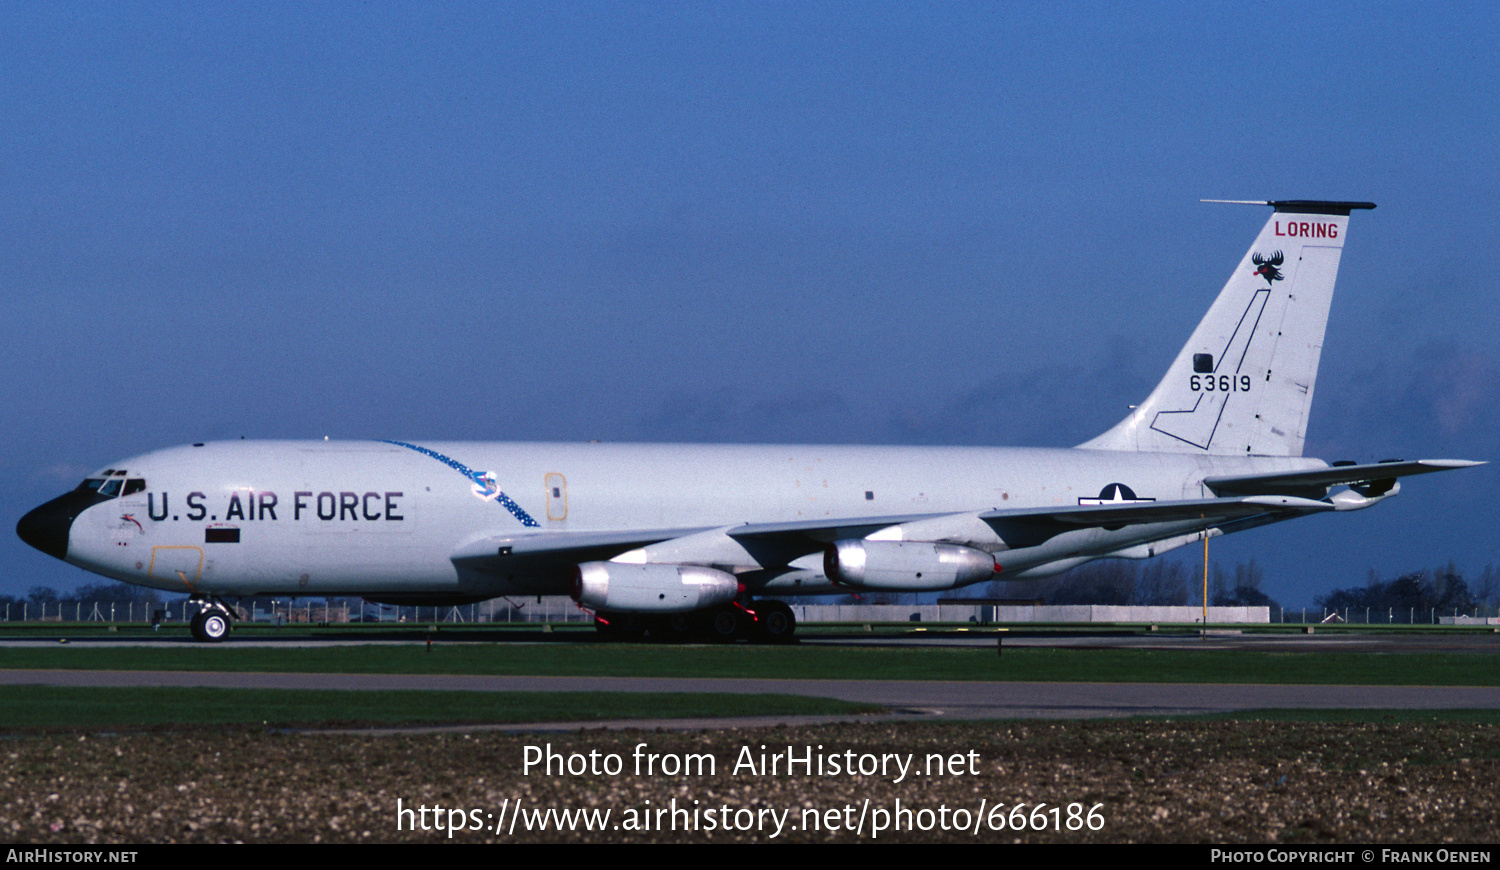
(1373, 717)
(795, 662)
(59, 707)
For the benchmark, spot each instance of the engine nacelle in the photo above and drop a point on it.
(627, 588)
(908, 566)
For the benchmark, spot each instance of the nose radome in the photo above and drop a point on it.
(47, 527)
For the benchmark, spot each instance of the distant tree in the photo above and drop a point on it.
(1245, 592)
(1107, 581)
(1441, 590)
(1449, 591)
(1244, 596)
(1248, 575)
(120, 592)
(1487, 590)
(42, 595)
(1164, 582)
(1405, 592)
(1218, 586)
(1157, 582)
(1345, 599)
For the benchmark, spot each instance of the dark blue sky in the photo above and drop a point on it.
(972, 224)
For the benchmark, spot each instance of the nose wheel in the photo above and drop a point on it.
(211, 623)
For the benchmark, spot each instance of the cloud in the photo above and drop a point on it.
(1464, 388)
(1051, 406)
(65, 472)
(727, 415)
(1439, 397)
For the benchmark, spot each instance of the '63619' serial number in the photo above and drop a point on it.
(1220, 383)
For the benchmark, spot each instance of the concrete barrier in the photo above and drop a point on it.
(985, 614)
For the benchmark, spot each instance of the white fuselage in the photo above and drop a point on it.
(303, 518)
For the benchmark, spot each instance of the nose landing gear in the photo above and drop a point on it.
(211, 623)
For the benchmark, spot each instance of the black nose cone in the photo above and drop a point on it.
(46, 527)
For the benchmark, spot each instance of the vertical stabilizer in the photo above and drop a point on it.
(1243, 384)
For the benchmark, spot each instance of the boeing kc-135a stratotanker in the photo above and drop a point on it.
(660, 538)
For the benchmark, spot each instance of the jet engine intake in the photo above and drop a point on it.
(906, 565)
(654, 588)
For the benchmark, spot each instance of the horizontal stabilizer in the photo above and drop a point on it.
(1319, 480)
(1302, 206)
(1109, 516)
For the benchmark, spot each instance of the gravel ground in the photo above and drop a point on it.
(1225, 782)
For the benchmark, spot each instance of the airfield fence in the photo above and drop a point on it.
(549, 609)
(559, 609)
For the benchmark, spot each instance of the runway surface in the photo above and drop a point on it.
(904, 698)
(1470, 640)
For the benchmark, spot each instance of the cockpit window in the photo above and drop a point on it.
(111, 487)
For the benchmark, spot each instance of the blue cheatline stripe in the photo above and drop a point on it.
(506, 501)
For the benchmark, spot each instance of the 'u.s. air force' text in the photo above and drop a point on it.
(264, 506)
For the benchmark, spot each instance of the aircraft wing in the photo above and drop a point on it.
(1315, 483)
(523, 552)
(554, 547)
(1024, 527)
(546, 552)
(825, 530)
(1079, 516)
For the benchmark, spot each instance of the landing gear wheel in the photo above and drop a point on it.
(725, 624)
(777, 622)
(210, 626)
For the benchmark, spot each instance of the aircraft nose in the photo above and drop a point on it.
(47, 527)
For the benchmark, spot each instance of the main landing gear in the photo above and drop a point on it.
(760, 622)
(777, 622)
(212, 621)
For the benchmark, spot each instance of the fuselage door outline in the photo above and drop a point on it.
(557, 496)
(183, 564)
